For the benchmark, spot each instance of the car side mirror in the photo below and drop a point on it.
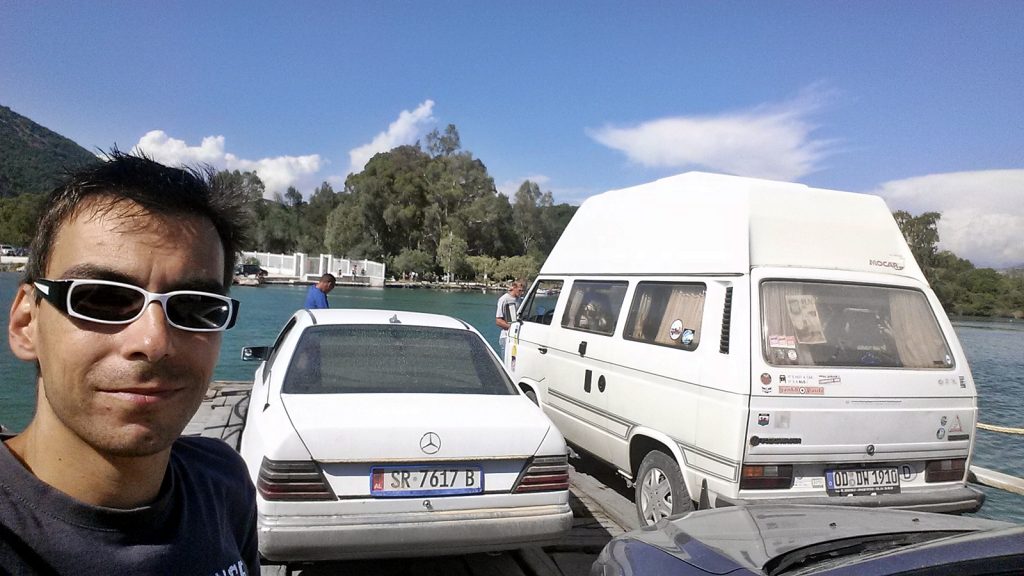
(251, 353)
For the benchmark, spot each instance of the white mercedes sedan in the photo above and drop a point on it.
(373, 434)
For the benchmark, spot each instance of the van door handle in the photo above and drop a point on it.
(583, 348)
(542, 350)
(586, 381)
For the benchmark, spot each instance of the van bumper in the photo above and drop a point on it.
(960, 500)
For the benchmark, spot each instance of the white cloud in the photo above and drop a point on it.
(277, 173)
(405, 130)
(771, 142)
(982, 212)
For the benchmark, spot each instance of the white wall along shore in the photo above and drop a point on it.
(301, 267)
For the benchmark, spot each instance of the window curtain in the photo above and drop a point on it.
(917, 338)
(775, 319)
(640, 318)
(684, 304)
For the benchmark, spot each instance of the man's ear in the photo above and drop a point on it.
(21, 330)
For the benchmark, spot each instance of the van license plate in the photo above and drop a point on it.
(862, 481)
(425, 481)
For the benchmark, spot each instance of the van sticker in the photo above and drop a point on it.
(797, 379)
(780, 341)
(803, 390)
(676, 329)
(766, 378)
(830, 379)
(762, 419)
(940, 433)
(803, 313)
(894, 261)
(808, 482)
(956, 427)
(791, 354)
(943, 420)
(687, 337)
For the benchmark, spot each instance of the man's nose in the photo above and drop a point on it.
(149, 336)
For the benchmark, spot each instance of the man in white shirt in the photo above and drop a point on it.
(511, 298)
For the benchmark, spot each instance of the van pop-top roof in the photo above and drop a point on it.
(700, 223)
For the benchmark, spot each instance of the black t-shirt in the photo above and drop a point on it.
(202, 522)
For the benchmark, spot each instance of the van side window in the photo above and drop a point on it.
(666, 314)
(834, 324)
(540, 304)
(594, 306)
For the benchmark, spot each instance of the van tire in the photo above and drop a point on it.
(660, 489)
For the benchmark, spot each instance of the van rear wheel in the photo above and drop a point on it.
(660, 489)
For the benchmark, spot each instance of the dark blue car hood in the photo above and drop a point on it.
(748, 537)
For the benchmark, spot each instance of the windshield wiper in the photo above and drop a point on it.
(843, 549)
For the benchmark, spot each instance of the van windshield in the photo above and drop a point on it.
(832, 324)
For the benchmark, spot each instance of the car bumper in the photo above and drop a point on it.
(317, 538)
(958, 500)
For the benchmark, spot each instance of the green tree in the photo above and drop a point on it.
(527, 213)
(483, 267)
(412, 260)
(443, 144)
(921, 233)
(18, 217)
(515, 267)
(451, 256)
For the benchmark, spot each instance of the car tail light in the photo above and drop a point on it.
(773, 477)
(292, 480)
(945, 470)
(544, 474)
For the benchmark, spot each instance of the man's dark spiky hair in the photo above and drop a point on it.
(132, 184)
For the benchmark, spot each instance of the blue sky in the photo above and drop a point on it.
(921, 102)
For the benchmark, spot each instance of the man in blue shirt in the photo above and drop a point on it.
(316, 296)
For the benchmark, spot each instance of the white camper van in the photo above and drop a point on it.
(724, 340)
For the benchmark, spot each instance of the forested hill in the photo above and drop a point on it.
(32, 156)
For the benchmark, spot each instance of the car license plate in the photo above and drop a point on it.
(862, 481)
(425, 481)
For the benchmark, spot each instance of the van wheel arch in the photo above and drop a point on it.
(647, 454)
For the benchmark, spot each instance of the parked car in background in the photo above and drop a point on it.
(787, 540)
(6, 250)
(380, 434)
(250, 270)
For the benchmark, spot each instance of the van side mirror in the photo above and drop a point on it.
(251, 353)
(510, 314)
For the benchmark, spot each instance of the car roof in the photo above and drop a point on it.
(370, 316)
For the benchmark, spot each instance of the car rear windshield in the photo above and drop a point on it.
(833, 324)
(359, 359)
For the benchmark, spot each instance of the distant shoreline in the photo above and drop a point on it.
(407, 284)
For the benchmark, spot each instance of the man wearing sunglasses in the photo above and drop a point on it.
(122, 309)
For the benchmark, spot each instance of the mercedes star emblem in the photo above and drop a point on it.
(430, 443)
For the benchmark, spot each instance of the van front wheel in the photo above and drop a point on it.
(660, 489)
